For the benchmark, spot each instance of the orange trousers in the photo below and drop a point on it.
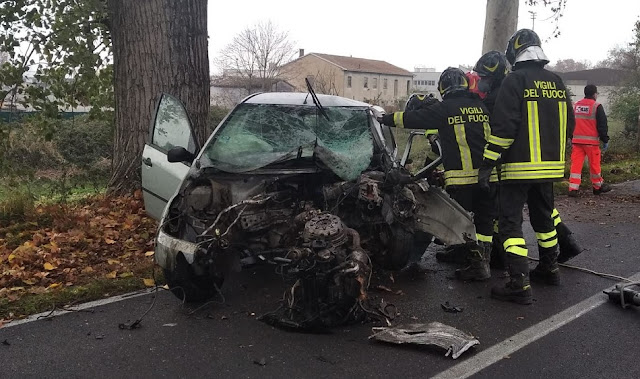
(578, 152)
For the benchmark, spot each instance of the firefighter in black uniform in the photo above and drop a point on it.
(492, 69)
(461, 121)
(529, 133)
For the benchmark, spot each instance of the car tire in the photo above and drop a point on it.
(400, 248)
(189, 287)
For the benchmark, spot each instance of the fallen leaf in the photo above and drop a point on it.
(166, 287)
(29, 281)
(11, 257)
(170, 324)
(126, 275)
(109, 241)
(149, 253)
(113, 261)
(87, 270)
(149, 282)
(53, 285)
(48, 266)
(111, 275)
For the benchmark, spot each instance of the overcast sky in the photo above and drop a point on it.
(434, 33)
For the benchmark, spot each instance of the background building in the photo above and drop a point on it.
(368, 80)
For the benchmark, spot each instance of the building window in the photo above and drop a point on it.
(366, 82)
(408, 86)
(375, 83)
(348, 81)
(431, 82)
(415, 82)
(395, 88)
(384, 83)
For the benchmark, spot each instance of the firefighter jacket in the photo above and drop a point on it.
(462, 123)
(529, 125)
(591, 123)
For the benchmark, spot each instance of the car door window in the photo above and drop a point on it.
(172, 126)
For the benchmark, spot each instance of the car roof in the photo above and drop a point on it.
(298, 98)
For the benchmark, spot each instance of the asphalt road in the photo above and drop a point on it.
(570, 331)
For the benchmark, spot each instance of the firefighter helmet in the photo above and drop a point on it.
(520, 41)
(452, 80)
(418, 100)
(492, 64)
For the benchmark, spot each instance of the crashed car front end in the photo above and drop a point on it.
(315, 194)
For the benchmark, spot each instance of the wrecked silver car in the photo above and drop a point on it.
(309, 184)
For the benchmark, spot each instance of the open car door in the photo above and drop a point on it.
(170, 128)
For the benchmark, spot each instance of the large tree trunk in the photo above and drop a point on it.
(158, 46)
(500, 23)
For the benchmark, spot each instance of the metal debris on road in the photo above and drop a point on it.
(451, 308)
(447, 337)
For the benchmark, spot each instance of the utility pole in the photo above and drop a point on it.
(533, 20)
(500, 23)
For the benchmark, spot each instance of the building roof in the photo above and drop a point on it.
(596, 76)
(363, 65)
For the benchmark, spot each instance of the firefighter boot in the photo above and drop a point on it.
(478, 269)
(547, 271)
(569, 247)
(518, 288)
(453, 254)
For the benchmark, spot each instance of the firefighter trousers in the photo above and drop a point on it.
(578, 153)
(539, 199)
(472, 198)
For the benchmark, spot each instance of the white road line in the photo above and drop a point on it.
(514, 343)
(79, 307)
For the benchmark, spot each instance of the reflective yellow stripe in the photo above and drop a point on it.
(547, 244)
(459, 173)
(517, 250)
(483, 238)
(460, 181)
(502, 142)
(535, 166)
(555, 213)
(398, 119)
(430, 131)
(513, 242)
(562, 110)
(534, 131)
(556, 221)
(463, 146)
(487, 130)
(539, 174)
(492, 155)
(546, 236)
(556, 217)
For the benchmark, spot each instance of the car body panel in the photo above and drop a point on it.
(170, 127)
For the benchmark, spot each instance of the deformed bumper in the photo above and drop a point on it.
(168, 247)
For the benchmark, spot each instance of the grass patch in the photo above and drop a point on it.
(58, 298)
(420, 148)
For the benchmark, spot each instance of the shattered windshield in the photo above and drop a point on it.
(257, 135)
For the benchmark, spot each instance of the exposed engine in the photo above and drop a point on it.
(323, 237)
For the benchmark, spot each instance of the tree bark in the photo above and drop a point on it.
(158, 46)
(500, 23)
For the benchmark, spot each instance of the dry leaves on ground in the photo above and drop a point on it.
(65, 245)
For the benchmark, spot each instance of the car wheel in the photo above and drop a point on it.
(400, 248)
(187, 286)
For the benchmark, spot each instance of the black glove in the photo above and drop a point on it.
(387, 120)
(484, 174)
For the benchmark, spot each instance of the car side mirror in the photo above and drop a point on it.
(180, 154)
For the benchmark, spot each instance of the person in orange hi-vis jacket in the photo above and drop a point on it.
(591, 128)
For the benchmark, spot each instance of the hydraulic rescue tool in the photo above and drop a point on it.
(625, 295)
